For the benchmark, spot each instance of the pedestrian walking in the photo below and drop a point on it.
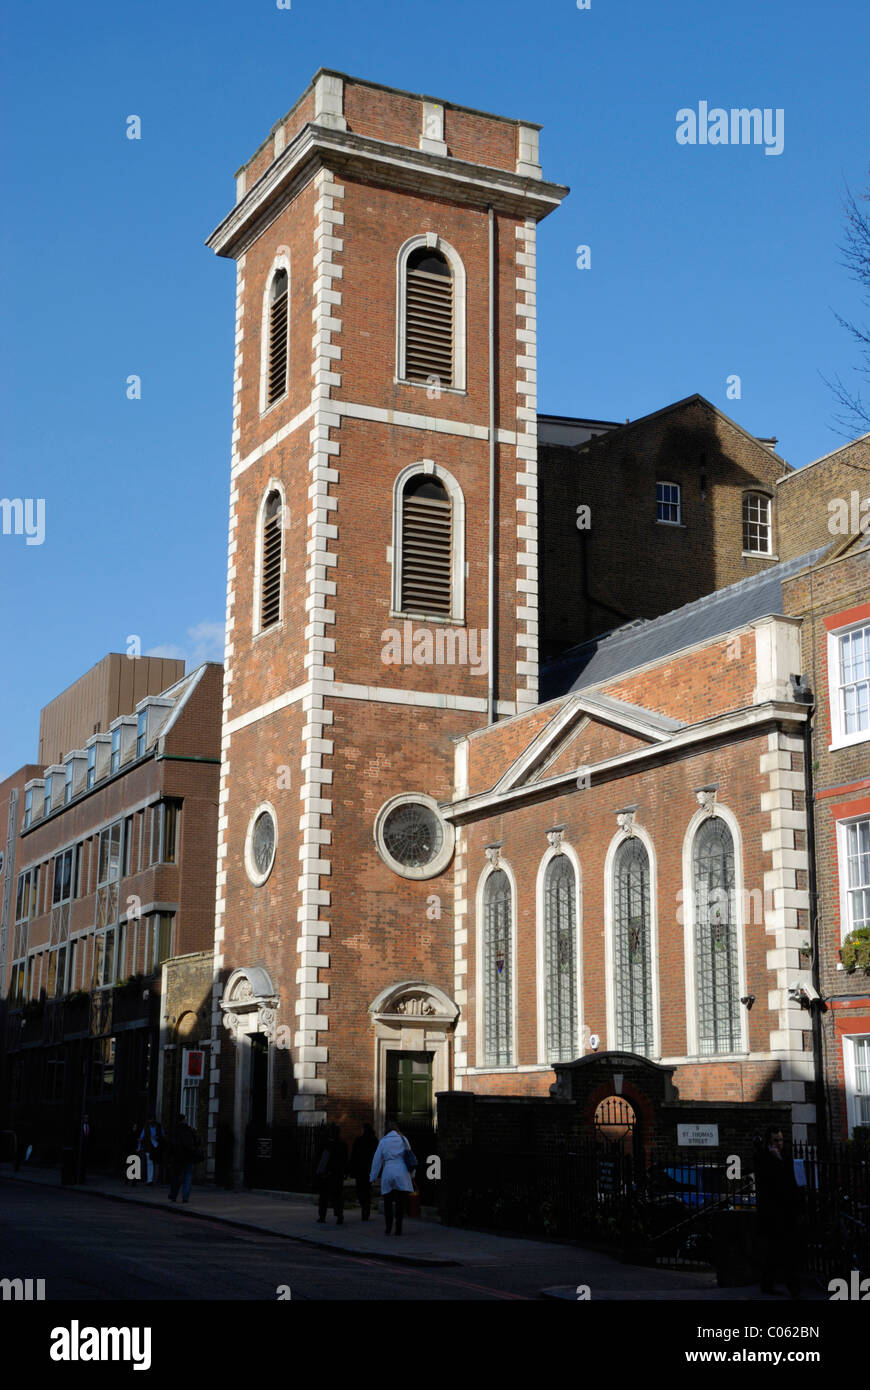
(395, 1156)
(779, 1215)
(361, 1155)
(330, 1176)
(152, 1143)
(186, 1152)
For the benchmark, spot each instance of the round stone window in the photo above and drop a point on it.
(260, 844)
(412, 838)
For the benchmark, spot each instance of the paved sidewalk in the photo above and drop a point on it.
(424, 1242)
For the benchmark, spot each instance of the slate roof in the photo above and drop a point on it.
(636, 644)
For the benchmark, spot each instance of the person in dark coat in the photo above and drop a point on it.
(361, 1156)
(779, 1215)
(152, 1143)
(330, 1175)
(186, 1151)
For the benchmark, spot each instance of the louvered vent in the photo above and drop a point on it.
(427, 536)
(270, 606)
(429, 340)
(278, 315)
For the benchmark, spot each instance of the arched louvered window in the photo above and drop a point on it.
(497, 982)
(632, 949)
(270, 583)
(429, 317)
(276, 366)
(427, 547)
(717, 983)
(560, 959)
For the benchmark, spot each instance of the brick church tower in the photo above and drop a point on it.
(382, 585)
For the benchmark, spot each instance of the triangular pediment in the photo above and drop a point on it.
(588, 729)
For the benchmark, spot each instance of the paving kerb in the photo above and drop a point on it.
(327, 1240)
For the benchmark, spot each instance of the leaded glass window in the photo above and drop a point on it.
(497, 970)
(632, 949)
(560, 959)
(716, 965)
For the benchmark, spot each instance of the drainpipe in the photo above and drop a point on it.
(816, 1007)
(491, 647)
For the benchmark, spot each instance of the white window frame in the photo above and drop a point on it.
(457, 559)
(435, 243)
(669, 502)
(850, 1076)
(745, 497)
(839, 738)
(257, 629)
(843, 870)
(281, 262)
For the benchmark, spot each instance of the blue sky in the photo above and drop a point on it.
(706, 261)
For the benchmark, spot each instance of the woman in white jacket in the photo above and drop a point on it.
(396, 1178)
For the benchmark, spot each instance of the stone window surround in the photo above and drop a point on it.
(457, 559)
(454, 260)
(439, 864)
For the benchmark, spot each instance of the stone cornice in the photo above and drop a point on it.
(395, 165)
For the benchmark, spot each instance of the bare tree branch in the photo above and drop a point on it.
(854, 412)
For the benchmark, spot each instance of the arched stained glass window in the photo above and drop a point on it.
(560, 959)
(632, 949)
(497, 983)
(717, 982)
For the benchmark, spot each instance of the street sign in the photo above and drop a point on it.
(698, 1136)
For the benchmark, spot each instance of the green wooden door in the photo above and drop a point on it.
(409, 1088)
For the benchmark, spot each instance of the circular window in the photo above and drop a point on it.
(260, 844)
(412, 837)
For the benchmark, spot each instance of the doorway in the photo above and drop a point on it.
(409, 1089)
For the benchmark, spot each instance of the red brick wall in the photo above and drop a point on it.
(666, 804)
(847, 1017)
(802, 499)
(491, 751)
(694, 685)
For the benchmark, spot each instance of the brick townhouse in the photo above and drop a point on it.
(833, 598)
(683, 497)
(107, 881)
(388, 545)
